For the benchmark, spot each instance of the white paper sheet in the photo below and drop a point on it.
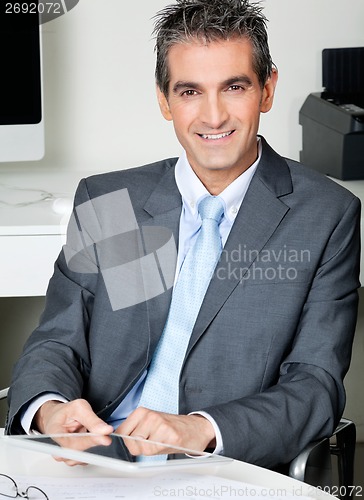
(191, 486)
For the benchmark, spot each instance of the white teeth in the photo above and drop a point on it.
(217, 136)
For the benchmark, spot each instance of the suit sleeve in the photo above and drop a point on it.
(56, 356)
(307, 401)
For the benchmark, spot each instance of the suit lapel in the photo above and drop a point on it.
(259, 216)
(164, 207)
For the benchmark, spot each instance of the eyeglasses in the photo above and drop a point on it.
(9, 489)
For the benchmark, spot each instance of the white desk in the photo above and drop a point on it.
(31, 232)
(16, 461)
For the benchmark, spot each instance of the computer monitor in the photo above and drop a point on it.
(21, 113)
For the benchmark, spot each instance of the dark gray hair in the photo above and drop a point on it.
(208, 21)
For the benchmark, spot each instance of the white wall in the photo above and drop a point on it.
(101, 112)
(298, 32)
(100, 107)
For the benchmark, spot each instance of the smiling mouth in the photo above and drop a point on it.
(215, 137)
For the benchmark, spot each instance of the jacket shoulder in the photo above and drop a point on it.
(140, 181)
(319, 187)
(149, 174)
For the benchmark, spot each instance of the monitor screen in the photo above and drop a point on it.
(21, 121)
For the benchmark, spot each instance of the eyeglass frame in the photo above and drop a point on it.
(22, 494)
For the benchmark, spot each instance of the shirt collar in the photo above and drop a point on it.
(192, 190)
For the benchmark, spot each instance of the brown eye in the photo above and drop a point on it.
(235, 88)
(189, 93)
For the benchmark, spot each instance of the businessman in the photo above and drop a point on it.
(243, 347)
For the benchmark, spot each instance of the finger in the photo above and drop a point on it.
(147, 448)
(72, 463)
(134, 444)
(137, 423)
(139, 445)
(81, 442)
(74, 426)
(128, 426)
(68, 461)
(82, 414)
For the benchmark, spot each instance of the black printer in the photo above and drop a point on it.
(333, 120)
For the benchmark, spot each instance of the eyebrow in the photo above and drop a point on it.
(238, 79)
(181, 85)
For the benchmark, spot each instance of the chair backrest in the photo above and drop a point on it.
(3, 407)
(313, 464)
(4, 393)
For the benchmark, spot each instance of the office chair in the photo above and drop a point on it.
(313, 464)
(4, 393)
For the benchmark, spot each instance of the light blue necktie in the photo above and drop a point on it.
(161, 389)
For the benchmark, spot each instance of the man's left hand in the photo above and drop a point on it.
(193, 432)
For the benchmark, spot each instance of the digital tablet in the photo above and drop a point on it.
(114, 451)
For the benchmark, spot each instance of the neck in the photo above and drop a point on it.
(216, 184)
(219, 178)
(215, 181)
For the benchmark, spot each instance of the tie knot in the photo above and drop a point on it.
(211, 207)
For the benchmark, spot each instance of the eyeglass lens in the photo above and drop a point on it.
(9, 489)
(34, 493)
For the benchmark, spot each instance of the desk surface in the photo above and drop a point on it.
(27, 202)
(22, 462)
(34, 213)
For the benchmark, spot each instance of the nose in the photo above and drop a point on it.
(214, 113)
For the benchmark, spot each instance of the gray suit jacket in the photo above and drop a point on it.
(272, 342)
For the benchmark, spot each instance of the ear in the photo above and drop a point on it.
(268, 91)
(163, 104)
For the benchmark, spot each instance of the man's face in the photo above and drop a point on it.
(215, 102)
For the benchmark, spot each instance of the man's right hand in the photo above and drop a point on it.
(55, 417)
